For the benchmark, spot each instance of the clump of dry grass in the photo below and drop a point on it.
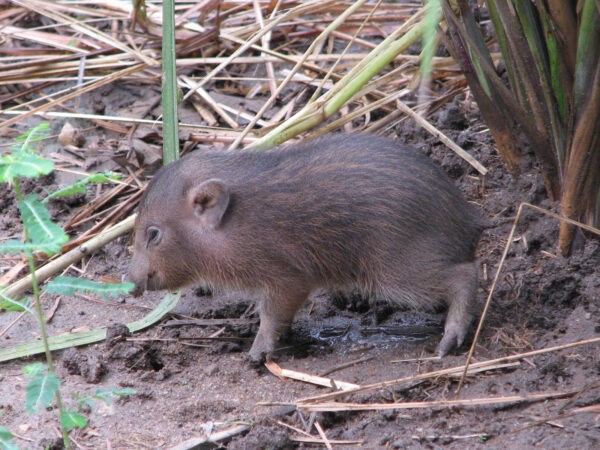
(252, 73)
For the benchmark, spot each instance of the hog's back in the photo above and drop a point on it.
(338, 211)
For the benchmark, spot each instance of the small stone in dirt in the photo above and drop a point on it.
(384, 440)
(226, 347)
(389, 415)
(453, 118)
(211, 370)
(402, 443)
(263, 437)
(90, 366)
(125, 351)
(555, 368)
(160, 375)
(71, 137)
(52, 443)
(116, 333)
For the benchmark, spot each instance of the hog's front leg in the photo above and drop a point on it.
(276, 311)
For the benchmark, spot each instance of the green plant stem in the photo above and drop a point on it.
(44, 332)
(170, 92)
(42, 321)
(328, 104)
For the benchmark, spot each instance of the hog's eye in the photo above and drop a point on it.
(153, 235)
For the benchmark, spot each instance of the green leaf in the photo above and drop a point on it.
(41, 231)
(104, 177)
(72, 189)
(81, 186)
(70, 286)
(23, 164)
(107, 395)
(41, 391)
(13, 247)
(72, 419)
(5, 438)
(169, 85)
(431, 21)
(34, 135)
(8, 304)
(123, 392)
(32, 370)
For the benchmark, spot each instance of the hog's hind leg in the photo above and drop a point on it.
(462, 306)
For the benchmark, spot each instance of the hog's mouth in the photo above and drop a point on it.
(138, 290)
(148, 283)
(154, 282)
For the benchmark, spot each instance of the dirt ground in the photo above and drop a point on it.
(193, 380)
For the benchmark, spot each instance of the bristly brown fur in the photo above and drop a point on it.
(337, 212)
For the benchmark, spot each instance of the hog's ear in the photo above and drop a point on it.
(209, 201)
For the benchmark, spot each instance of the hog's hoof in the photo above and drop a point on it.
(259, 353)
(452, 340)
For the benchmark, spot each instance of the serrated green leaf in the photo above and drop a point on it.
(70, 286)
(103, 177)
(41, 231)
(81, 186)
(31, 370)
(67, 191)
(13, 247)
(41, 391)
(23, 164)
(8, 304)
(72, 419)
(5, 438)
(35, 134)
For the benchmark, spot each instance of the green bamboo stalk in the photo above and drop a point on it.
(328, 104)
(430, 40)
(169, 86)
(324, 34)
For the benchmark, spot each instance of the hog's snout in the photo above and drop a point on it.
(138, 290)
(140, 284)
(139, 277)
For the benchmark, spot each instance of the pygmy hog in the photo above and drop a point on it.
(340, 212)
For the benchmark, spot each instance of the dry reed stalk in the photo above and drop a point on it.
(91, 86)
(509, 242)
(279, 372)
(323, 436)
(468, 402)
(443, 372)
(309, 438)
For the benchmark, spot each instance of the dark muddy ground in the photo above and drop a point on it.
(189, 387)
